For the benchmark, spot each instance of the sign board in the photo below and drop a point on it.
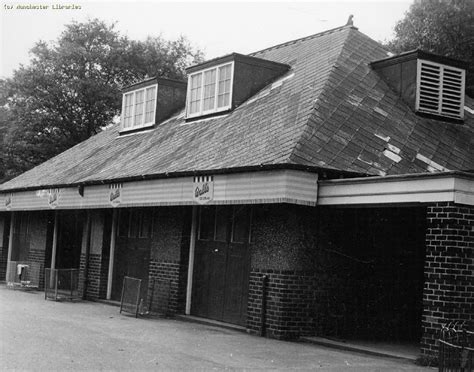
(203, 189)
(115, 194)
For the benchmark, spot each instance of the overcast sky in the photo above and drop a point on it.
(217, 28)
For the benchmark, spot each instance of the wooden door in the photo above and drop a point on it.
(221, 267)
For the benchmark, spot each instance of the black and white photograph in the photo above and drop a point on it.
(237, 185)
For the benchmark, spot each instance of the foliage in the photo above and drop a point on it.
(444, 27)
(71, 89)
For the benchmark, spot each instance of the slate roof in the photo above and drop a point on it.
(331, 110)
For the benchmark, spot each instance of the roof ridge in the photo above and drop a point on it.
(323, 33)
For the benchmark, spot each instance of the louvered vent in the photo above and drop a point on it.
(440, 89)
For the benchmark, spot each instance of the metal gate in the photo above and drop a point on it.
(456, 349)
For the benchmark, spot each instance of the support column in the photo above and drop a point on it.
(55, 241)
(113, 235)
(192, 246)
(10, 246)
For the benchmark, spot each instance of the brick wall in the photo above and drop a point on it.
(448, 293)
(290, 303)
(38, 255)
(4, 233)
(169, 250)
(165, 294)
(96, 278)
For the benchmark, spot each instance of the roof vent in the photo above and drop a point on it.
(430, 84)
(440, 89)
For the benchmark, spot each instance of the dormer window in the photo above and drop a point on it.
(139, 108)
(440, 89)
(210, 90)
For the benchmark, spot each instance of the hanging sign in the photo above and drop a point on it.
(8, 202)
(115, 194)
(53, 197)
(203, 189)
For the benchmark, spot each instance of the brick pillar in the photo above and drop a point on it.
(289, 303)
(448, 293)
(98, 258)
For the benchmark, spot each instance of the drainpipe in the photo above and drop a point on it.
(10, 246)
(192, 246)
(88, 248)
(113, 235)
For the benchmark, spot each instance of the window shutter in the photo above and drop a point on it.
(440, 89)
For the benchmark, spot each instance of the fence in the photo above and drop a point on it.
(130, 301)
(61, 284)
(456, 349)
(159, 301)
(23, 274)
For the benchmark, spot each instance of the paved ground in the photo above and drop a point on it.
(44, 335)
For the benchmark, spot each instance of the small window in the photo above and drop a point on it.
(440, 89)
(206, 223)
(210, 90)
(135, 223)
(139, 108)
(221, 223)
(241, 224)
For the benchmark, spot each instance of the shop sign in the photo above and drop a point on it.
(53, 197)
(8, 202)
(115, 194)
(203, 189)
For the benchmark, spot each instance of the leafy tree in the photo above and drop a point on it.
(71, 89)
(444, 27)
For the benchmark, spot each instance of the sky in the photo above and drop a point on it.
(217, 28)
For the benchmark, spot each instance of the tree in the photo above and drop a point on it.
(71, 88)
(444, 27)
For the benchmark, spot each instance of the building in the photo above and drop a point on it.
(317, 187)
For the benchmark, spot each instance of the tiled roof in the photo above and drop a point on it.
(331, 110)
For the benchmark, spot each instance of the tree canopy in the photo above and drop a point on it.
(444, 27)
(71, 89)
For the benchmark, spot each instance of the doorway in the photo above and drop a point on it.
(222, 264)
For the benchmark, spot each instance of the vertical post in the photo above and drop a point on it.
(54, 249)
(10, 246)
(192, 246)
(88, 249)
(113, 235)
(263, 310)
(55, 241)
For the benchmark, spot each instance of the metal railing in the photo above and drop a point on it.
(456, 348)
(61, 284)
(23, 274)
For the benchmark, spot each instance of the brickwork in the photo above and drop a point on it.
(96, 278)
(289, 303)
(38, 255)
(4, 233)
(169, 276)
(449, 281)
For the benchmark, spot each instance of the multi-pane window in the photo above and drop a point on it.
(210, 90)
(135, 223)
(225, 223)
(139, 108)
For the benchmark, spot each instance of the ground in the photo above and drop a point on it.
(45, 335)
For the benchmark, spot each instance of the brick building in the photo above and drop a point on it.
(317, 187)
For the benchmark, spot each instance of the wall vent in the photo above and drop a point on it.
(440, 89)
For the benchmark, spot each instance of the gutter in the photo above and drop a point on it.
(331, 173)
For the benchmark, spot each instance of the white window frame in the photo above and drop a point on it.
(201, 111)
(439, 111)
(134, 94)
